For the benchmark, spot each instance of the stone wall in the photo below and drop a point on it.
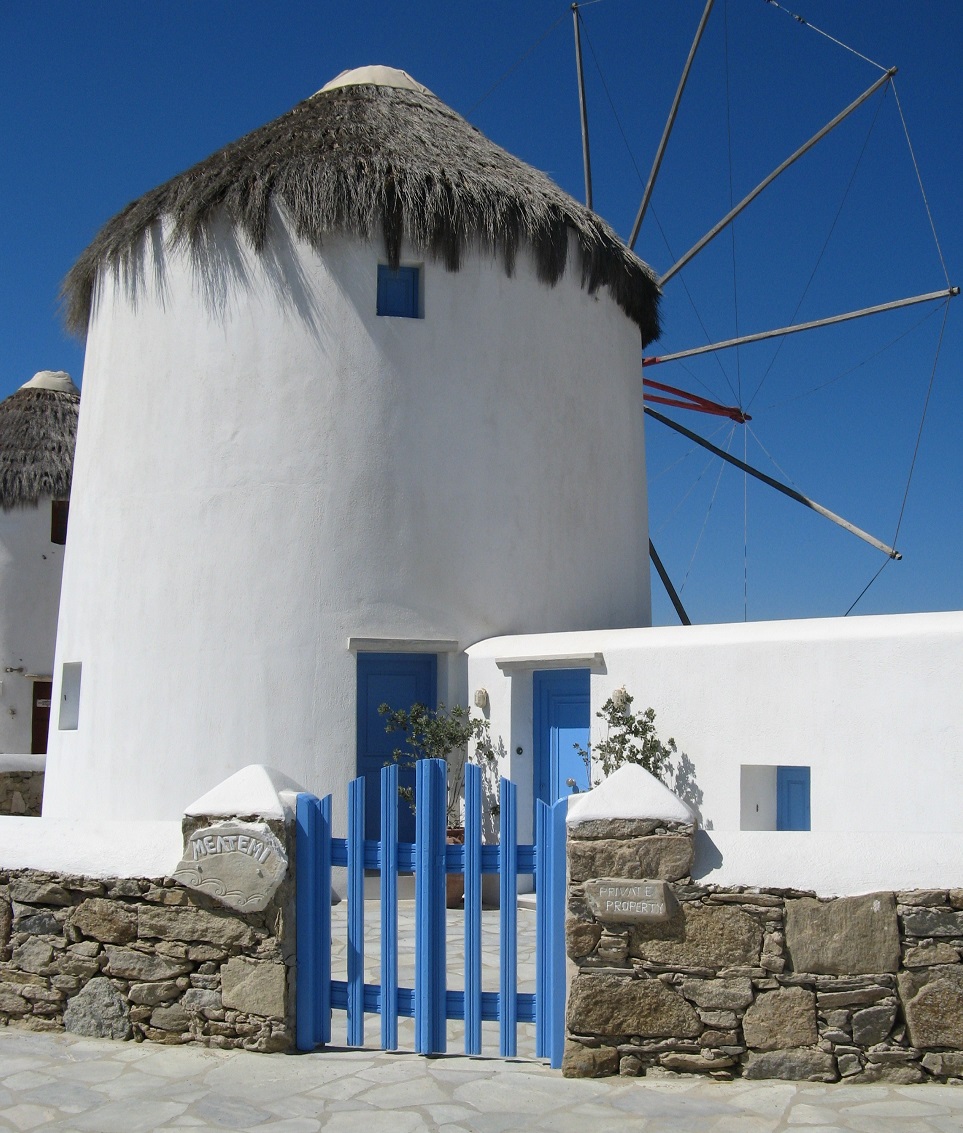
(763, 983)
(137, 958)
(21, 792)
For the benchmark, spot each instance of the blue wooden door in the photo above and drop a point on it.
(399, 680)
(561, 720)
(792, 798)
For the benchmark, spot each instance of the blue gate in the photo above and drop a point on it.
(430, 1002)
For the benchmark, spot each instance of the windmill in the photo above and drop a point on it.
(662, 392)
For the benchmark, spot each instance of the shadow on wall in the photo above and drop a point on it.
(682, 782)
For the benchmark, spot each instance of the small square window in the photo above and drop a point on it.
(399, 291)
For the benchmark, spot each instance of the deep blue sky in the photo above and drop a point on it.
(101, 101)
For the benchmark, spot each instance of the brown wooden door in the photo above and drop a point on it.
(40, 724)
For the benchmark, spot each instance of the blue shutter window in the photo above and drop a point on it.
(399, 292)
(792, 798)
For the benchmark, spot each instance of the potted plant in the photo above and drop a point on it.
(630, 737)
(445, 733)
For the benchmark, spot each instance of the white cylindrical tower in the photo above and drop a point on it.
(362, 380)
(38, 426)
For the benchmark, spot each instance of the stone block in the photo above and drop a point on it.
(173, 1018)
(153, 994)
(906, 1074)
(130, 964)
(848, 1064)
(781, 1019)
(726, 1020)
(38, 993)
(933, 1005)
(188, 923)
(36, 922)
(77, 964)
(702, 936)
(791, 1065)
(622, 828)
(107, 921)
(932, 922)
(607, 1004)
(873, 1024)
(273, 1041)
(124, 887)
(6, 920)
(198, 999)
(580, 1061)
(32, 892)
(665, 857)
(630, 1066)
(33, 955)
(852, 997)
(845, 936)
(695, 1063)
(581, 937)
(11, 1001)
(254, 987)
(946, 1064)
(725, 995)
(922, 897)
(98, 1011)
(926, 955)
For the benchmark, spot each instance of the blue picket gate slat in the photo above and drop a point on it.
(431, 788)
(388, 864)
(307, 845)
(430, 1003)
(508, 919)
(356, 912)
(553, 958)
(472, 1006)
(543, 926)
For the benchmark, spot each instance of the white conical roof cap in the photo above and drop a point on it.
(377, 76)
(58, 380)
(254, 789)
(630, 792)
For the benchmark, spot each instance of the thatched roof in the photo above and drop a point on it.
(377, 155)
(38, 429)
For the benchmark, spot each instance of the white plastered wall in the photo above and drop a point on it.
(265, 469)
(871, 704)
(30, 574)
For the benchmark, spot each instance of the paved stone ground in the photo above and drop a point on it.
(59, 1083)
(455, 956)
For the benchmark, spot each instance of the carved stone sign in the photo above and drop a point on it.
(239, 863)
(624, 900)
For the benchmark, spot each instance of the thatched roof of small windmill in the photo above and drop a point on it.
(376, 155)
(38, 429)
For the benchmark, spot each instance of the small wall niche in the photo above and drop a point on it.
(70, 697)
(774, 797)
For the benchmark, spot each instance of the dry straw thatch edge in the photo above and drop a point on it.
(38, 431)
(379, 163)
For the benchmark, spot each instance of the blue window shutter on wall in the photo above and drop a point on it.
(398, 291)
(792, 798)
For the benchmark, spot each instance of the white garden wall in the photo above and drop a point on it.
(872, 705)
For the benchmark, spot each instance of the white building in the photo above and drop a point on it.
(859, 721)
(38, 427)
(360, 390)
(357, 430)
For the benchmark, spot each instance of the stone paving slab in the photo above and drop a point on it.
(64, 1084)
(455, 967)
